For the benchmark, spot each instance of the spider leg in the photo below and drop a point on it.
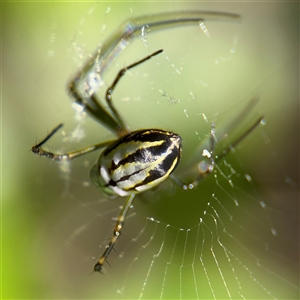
(105, 55)
(89, 79)
(37, 149)
(231, 147)
(110, 91)
(222, 132)
(206, 166)
(116, 233)
(92, 107)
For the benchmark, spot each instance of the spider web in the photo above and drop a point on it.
(235, 235)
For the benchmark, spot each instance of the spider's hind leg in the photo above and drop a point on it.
(116, 233)
(205, 166)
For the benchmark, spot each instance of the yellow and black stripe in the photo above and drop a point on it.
(139, 161)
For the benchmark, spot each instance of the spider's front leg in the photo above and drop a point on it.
(39, 150)
(89, 78)
(116, 233)
(114, 121)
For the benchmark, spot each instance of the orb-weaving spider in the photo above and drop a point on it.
(137, 160)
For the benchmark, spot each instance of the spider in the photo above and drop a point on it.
(137, 160)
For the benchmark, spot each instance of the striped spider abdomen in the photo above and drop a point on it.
(137, 162)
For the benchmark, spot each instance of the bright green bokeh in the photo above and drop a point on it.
(36, 64)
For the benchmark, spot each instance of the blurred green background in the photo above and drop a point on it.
(54, 221)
